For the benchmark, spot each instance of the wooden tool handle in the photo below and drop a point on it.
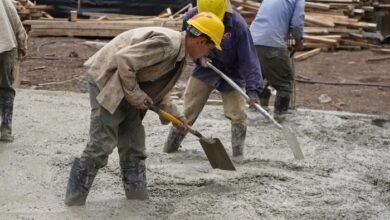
(170, 118)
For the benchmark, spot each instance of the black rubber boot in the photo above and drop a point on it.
(6, 133)
(81, 178)
(281, 107)
(175, 137)
(134, 179)
(238, 139)
(264, 97)
(7, 108)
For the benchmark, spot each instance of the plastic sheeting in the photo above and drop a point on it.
(131, 7)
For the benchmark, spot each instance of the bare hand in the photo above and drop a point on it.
(141, 104)
(252, 102)
(299, 46)
(203, 61)
(184, 124)
(22, 53)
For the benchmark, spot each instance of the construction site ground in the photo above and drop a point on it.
(345, 173)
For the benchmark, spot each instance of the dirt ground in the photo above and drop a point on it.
(56, 64)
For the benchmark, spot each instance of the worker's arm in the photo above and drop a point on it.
(297, 23)
(131, 59)
(17, 26)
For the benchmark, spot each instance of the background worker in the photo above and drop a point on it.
(270, 29)
(13, 43)
(238, 59)
(138, 65)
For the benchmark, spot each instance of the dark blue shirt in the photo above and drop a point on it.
(238, 58)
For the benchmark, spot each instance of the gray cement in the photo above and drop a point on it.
(345, 175)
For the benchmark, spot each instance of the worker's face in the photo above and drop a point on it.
(199, 47)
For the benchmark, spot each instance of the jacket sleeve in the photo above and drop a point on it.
(298, 20)
(131, 59)
(17, 26)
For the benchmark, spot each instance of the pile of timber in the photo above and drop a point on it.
(27, 10)
(334, 24)
(103, 24)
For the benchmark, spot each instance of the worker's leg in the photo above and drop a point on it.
(131, 149)
(276, 66)
(234, 109)
(195, 97)
(103, 139)
(7, 94)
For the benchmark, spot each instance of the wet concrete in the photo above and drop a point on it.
(345, 173)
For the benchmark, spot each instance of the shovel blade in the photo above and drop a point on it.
(216, 154)
(293, 143)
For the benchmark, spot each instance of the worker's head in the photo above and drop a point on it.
(218, 7)
(204, 33)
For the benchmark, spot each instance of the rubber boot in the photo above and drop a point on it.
(6, 116)
(264, 98)
(175, 137)
(238, 139)
(281, 107)
(6, 133)
(134, 179)
(80, 181)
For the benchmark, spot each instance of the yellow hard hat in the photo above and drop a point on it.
(208, 24)
(218, 7)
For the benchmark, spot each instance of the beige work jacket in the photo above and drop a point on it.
(135, 57)
(12, 33)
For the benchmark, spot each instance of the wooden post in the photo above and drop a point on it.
(73, 16)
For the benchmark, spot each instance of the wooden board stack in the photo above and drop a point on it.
(104, 24)
(27, 10)
(334, 24)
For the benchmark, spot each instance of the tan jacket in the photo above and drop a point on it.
(12, 33)
(133, 58)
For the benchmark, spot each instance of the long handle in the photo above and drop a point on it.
(175, 121)
(236, 87)
(291, 139)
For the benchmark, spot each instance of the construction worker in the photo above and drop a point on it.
(274, 22)
(238, 60)
(138, 66)
(13, 43)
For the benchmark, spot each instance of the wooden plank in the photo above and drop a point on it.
(317, 21)
(317, 5)
(378, 59)
(310, 45)
(381, 50)
(307, 55)
(320, 39)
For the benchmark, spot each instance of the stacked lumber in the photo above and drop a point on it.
(93, 28)
(334, 24)
(103, 24)
(27, 10)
